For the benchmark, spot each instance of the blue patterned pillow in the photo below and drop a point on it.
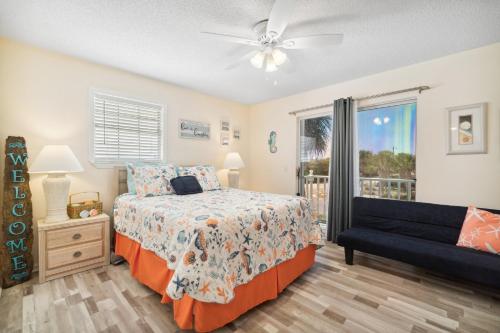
(130, 179)
(204, 173)
(153, 180)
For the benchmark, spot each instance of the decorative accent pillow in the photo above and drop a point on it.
(480, 231)
(153, 180)
(186, 185)
(130, 174)
(204, 173)
(130, 179)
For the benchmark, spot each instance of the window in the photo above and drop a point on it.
(125, 130)
(315, 135)
(386, 144)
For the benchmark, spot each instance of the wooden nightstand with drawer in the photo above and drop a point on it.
(72, 246)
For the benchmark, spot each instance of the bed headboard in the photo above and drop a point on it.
(121, 175)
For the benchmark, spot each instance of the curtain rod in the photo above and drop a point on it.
(419, 89)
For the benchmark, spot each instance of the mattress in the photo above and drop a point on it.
(217, 240)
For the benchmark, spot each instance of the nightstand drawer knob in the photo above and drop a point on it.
(77, 236)
(77, 254)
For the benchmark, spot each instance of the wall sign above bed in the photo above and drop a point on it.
(189, 129)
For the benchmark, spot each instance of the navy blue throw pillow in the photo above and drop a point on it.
(186, 185)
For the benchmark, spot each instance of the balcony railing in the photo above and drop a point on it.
(316, 189)
(387, 188)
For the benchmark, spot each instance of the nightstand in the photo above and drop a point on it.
(72, 246)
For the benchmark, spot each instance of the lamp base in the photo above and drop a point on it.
(56, 189)
(233, 177)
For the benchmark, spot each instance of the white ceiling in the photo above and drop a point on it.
(161, 38)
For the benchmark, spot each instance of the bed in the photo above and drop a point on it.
(215, 254)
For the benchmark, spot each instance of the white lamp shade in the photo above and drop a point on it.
(56, 159)
(233, 161)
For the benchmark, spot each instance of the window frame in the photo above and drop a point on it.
(117, 163)
(378, 105)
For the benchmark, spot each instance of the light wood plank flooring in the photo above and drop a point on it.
(374, 295)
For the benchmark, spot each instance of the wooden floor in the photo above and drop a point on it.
(374, 295)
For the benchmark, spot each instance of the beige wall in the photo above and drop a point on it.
(44, 97)
(465, 78)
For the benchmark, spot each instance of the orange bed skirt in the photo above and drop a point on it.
(189, 313)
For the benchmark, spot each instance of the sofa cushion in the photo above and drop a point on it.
(447, 258)
(481, 231)
(434, 222)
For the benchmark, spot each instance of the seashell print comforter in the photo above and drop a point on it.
(217, 240)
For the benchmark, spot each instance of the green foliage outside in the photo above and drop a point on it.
(384, 164)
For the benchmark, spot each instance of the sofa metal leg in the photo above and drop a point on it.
(349, 255)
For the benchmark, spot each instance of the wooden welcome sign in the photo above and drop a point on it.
(16, 233)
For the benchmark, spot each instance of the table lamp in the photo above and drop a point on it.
(56, 161)
(233, 162)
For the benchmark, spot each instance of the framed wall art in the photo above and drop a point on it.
(466, 127)
(189, 129)
(224, 125)
(236, 134)
(224, 139)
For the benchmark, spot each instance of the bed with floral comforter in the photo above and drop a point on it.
(217, 240)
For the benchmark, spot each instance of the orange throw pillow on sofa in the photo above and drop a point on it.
(480, 231)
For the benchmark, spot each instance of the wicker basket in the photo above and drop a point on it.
(74, 209)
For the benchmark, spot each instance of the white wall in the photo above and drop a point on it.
(464, 78)
(44, 97)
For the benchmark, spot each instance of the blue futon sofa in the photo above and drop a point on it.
(420, 234)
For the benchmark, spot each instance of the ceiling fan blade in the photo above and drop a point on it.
(231, 38)
(312, 41)
(241, 60)
(278, 19)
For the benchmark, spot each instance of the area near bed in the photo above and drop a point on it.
(208, 244)
(189, 313)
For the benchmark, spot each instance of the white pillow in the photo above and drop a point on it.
(153, 180)
(205, 174)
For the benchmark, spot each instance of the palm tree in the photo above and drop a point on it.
(319, 129)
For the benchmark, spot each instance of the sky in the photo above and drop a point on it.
(390, 128)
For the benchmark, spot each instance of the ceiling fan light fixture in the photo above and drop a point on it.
(270, 64)
(279, 57)
(257, 60)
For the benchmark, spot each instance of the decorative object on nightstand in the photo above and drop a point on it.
(86, 208)
(56, 161)
(72, 246)
(233, 162)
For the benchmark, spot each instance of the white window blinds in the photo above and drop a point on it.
(125, 130)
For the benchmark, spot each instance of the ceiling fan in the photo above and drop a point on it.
(269, 41)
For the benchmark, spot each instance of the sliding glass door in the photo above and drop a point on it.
(315, 135)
